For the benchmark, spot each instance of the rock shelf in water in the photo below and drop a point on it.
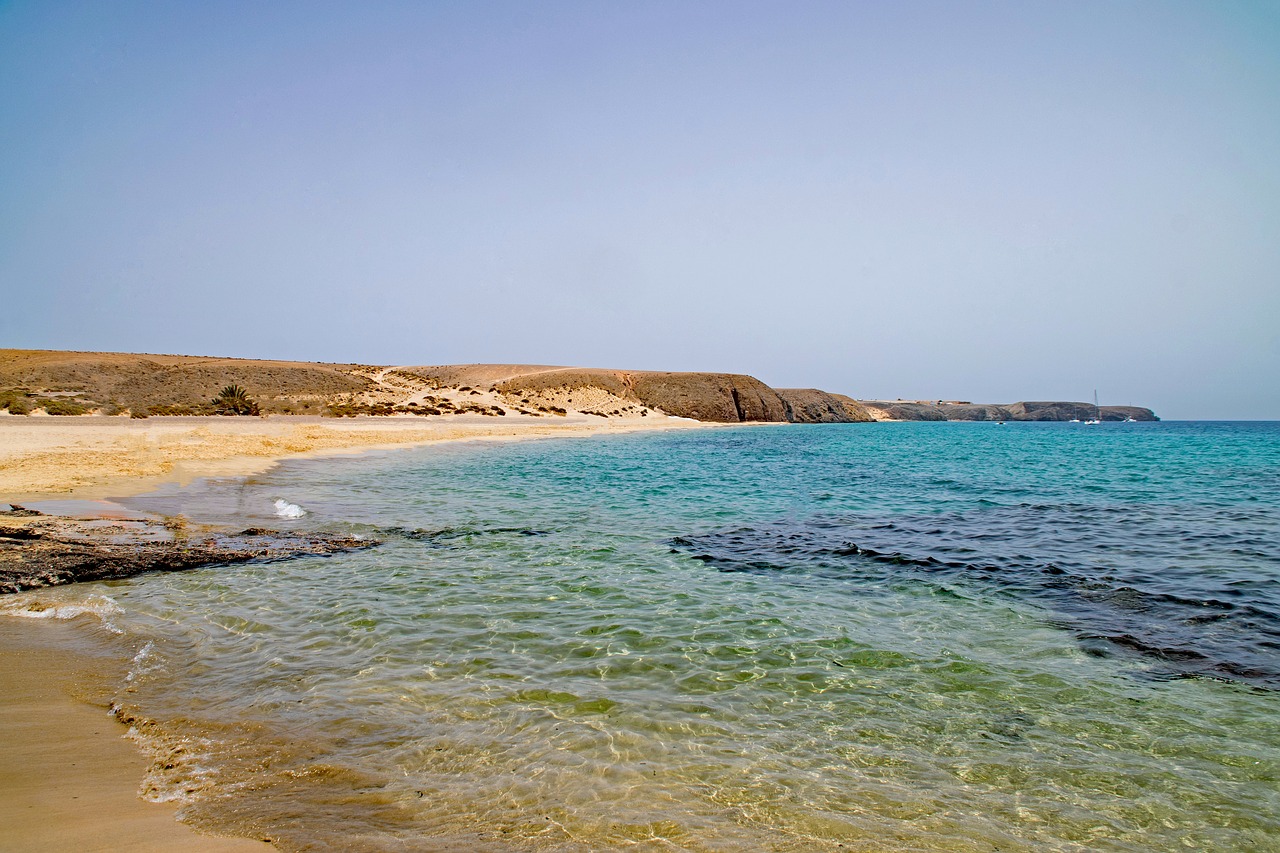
(39, 550)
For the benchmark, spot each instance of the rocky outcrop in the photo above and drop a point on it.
(38, 551)
(903, 411)
(975, 412)
(1125, 413)
(811, 406)
(718, 397)
(858, 413)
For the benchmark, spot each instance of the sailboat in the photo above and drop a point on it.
(1097, 410)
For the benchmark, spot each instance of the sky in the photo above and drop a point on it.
(981, 201)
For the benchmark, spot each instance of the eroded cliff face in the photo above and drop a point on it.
(719, 397)
(716, 397)
(811, 406)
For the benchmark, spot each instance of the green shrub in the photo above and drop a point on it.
(64, 407)
(234, 400)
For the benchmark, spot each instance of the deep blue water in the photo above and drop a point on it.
(882, 636)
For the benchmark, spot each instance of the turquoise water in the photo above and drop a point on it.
(876, 637)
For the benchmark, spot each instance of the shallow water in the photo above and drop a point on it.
(884, 636)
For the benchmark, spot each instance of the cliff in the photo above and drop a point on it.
(811, 406)
(900, 410)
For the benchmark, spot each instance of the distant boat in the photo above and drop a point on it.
(1097, 410)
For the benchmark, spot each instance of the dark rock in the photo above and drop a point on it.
(906, 411)
(1124, 413)
(975, 412)
(717, 397)
(54, 550)
(16, 511)
(811, 406)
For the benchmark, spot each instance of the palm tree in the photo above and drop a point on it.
(234, 400)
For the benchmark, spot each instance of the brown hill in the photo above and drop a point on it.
(111, 383)
(120, 381)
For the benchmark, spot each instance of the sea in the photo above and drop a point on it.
(878, 637)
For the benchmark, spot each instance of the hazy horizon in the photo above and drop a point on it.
(987, 201)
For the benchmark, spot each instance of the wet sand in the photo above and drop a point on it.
(68, 777)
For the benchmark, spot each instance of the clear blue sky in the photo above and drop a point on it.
(975, 200)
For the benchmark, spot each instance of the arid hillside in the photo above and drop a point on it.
(70, 383)
(74, 383)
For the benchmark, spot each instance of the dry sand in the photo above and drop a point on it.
(68, 781)
(94, 457)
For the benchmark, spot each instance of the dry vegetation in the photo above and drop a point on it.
(116, 383)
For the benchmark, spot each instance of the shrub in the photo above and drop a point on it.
(17, 402)
(64, 407)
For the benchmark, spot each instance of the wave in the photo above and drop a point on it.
(284, 509)
(63, 603)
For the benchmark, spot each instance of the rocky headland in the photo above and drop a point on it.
(920, 410)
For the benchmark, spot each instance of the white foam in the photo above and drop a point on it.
(284, 509)
(36, 605)
(142, 662)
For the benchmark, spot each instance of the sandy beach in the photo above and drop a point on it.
(97, 457)
(68, 778)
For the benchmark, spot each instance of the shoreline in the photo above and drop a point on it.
(97, 457)
(68, 774)
(69, 780)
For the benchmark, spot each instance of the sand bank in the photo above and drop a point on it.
(95, 457)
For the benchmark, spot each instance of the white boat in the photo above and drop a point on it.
(1097, 411)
